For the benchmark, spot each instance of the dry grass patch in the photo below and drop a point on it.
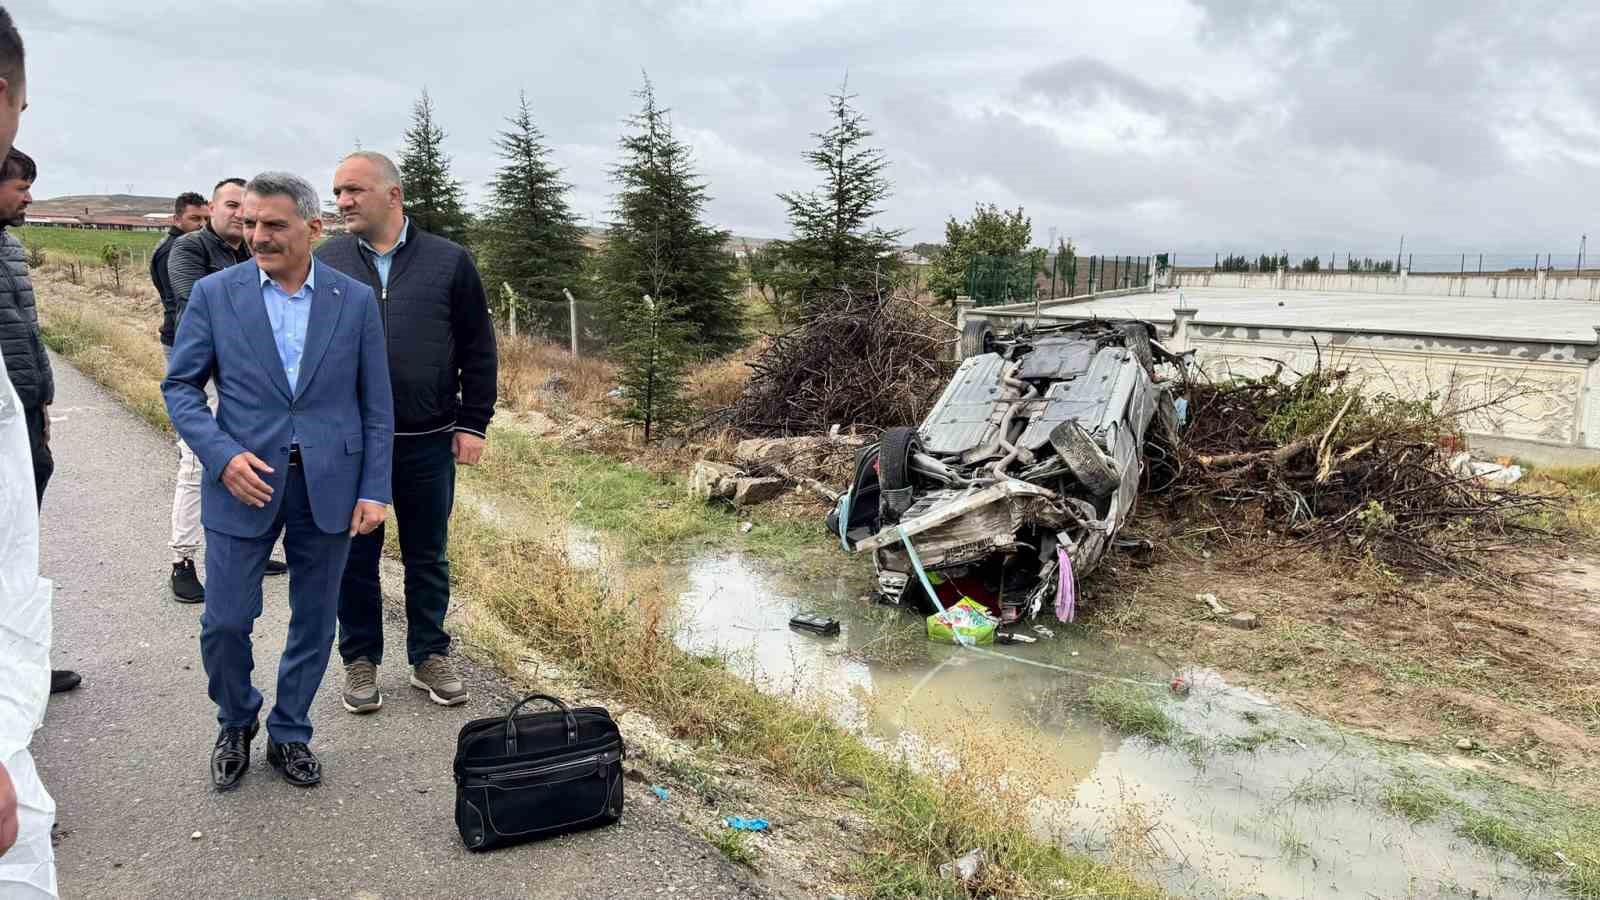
(111, 338)
(542, 375)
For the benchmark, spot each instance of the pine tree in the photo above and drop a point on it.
(835, 246)
(432, 197)
(530, 239)
(655, 349)
(659, 244)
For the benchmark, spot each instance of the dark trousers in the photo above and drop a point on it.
(424, 492)
(44, 464)
(234, 567)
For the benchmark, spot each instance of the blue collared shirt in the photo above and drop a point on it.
(289, 314)
(382, 261)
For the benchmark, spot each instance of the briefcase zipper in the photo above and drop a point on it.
(593, 759)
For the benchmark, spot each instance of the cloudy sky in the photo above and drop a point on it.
(1132, 127)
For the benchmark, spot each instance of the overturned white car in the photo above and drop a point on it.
(1024, 472)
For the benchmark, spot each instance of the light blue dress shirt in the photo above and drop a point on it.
(289, 315)
(382, 261)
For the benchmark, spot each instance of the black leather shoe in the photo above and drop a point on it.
(230, 758)
(63, 680)
(295, 761)
(277, 567)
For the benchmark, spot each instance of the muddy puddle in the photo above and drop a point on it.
(1247, 799)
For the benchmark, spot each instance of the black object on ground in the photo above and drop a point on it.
(818, 624)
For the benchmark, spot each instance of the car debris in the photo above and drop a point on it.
(1023, 474)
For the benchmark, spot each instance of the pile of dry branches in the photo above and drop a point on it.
(1315, 461)
(872, 360)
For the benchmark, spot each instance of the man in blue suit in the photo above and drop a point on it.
(300, 445)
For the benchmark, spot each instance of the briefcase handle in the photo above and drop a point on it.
(511, 725)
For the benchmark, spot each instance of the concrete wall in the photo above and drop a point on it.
(1538, 399)
(1510, 287)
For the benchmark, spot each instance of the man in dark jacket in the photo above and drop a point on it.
(443, 366)
(214, 246)
(190, 212)
(27, 364)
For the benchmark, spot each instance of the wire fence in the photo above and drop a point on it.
(1024, 277)
(1577, 262)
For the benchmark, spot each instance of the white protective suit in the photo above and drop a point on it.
(28, 869)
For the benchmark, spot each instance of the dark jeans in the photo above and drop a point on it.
(424, 491)
(43, 462)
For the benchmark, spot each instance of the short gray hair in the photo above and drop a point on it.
(286, 184)
(388, 173)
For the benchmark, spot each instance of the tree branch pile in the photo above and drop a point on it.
(1317, 462)
(868, 359)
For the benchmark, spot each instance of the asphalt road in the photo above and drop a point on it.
(126, 755)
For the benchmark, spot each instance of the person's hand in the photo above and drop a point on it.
(8, 811)
(468, 448)
(44, 429)
(367, 517)
(243, 483)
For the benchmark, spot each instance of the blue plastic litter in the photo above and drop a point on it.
(740, 823)
(660, 792)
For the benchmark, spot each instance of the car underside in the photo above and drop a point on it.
(1022, 476)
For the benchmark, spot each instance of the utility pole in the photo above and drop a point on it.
(1583, 244)
(1402, 252)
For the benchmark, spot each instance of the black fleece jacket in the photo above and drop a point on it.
(442, 359)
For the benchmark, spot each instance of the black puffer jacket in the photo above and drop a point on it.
(158, 277)
(20, 341)
(442, 359)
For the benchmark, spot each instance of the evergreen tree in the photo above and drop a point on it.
(654, 350)
(432, 197)
(528, 236)
(835, 246)
(659, 245)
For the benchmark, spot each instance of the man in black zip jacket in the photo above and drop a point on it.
(190, 212)
(442, 365)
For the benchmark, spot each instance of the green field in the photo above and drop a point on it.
(86, 244)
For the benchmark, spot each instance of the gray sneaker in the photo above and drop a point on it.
(361, 694)
(437, 675)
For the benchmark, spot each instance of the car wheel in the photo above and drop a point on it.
(894, 472)
(1077, 449)
(977, 338)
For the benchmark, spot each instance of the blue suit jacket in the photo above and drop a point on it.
(342, 409)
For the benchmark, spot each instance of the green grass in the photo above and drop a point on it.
(1248, 743)
(1133, 711)
(735, 845)
(86, 245)
(651, 514)
(1415, 802)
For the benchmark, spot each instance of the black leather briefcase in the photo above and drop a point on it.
(519, 778)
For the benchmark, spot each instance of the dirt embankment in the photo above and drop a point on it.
(1499, 682)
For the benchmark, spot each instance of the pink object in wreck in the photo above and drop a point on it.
(1066, 589)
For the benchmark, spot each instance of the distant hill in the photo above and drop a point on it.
(101, 205)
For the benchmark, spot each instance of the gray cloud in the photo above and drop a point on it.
(1214, 124)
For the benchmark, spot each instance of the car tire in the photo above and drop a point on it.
(894, 472)
(1137, 339)
(977, 338)
(1077, 449)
